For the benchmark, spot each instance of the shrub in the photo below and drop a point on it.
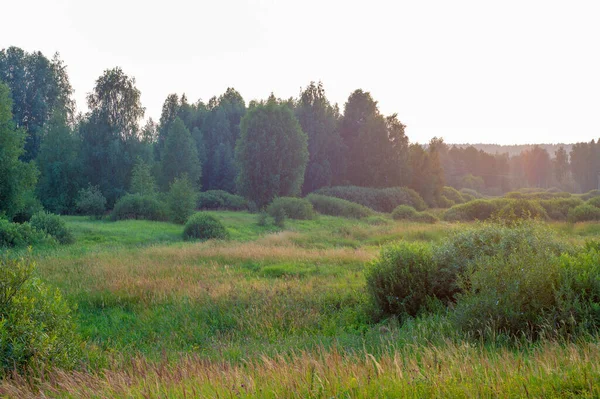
(516, 279)
(594, 201)
(219, 199)
(202, 226)
(475, 210)
(443, 202)
(558, 208)
(521, 209)
(53, 225)
(510, 293)
(399, 280)
(404, 212)
(181, 199)
(583, 213)
(31, 206)
(91, 202)
(380, 200)
(138, 206)
(35, 321)
(279, 217)
(19, 234)
(338, 207)
(590, 194)
(453, 195)
(262, 219)
(294, 208)
(471, 192)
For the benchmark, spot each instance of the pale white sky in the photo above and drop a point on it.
(469, 71)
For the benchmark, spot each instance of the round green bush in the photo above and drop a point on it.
(138, 206)
(399, 280)
(475, 210)
(404, 212)
(377, 199)
(294, 208)
(91, 202)
(21, 235)
(425, 217)
(53, 225)
(338, 207)
(36, 328)
(521, 209)
(453, 195)
(202, 226)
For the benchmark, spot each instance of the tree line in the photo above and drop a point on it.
(261, 150)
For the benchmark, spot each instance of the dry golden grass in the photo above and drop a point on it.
(453, 370)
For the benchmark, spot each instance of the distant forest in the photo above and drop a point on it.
(516, 149)
(261, 149)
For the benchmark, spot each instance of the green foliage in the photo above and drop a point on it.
(219, 199)
(35, 321)
(19, 234)
(180, 156)
(53, 225)
(470, 192)
(590, 194)
(181, 199)
(202, 226)
(319, 120)
(138, 206)
(279, 216)
(380, 200)
(142, 179)
(31, 206)
(443, 202)
(262, 219)
(516, 279)
(558, 208)
(475, 210)
(583, 213)
(60, 167)
(453, 195)
(17, 178)
(338, 207)
(377, 146)
(91, 202)
(399, 280)
(271, 153)
(537, 195)
(594, 201)
(294, 208)
(405, 212)
(521, 209)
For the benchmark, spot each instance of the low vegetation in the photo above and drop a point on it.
(293, 208)
(202, 226)
(380, 200)
(338, 207)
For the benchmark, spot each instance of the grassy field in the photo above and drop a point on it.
(275, 313)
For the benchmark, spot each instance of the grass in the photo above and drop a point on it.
(274, 313)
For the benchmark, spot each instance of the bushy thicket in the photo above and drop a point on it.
(590, 194)
(338, 207)
(479, 209)
(20, 235)
(138, 206)
(537, 195)
(52, 225)
(451, 196)
(378, 199)
(521, 209)
(219, 199)
(558, 208)
(584, 213)
(516, 279)
(405, 212)
(201, 226)
(293, 208)
(91, 202)
(470, 193)
(31, 206)
(35, 321)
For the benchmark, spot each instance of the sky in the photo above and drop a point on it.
(477, 71)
